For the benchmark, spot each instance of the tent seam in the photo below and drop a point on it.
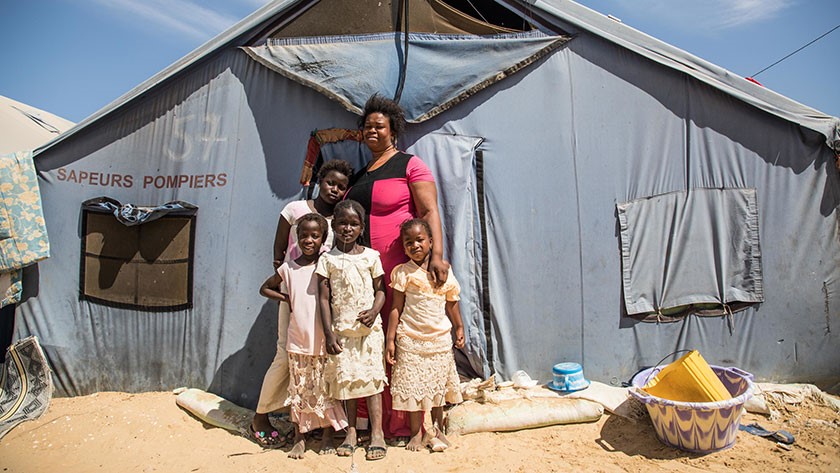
(578, 212)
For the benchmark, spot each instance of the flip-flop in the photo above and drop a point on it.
(375, 453)
(781, 436)
(400, 441)
(345, 450)
(266, 439)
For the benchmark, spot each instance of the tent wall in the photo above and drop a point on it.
(229, 118)
(559, 143)
(606, 128)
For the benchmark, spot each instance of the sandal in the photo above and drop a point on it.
(375, 453)
(436, 445)
(781, 436)
(400, 441)
(345, 450)
(265, 439)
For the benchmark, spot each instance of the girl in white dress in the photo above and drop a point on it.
(419, 339)
(351, 294)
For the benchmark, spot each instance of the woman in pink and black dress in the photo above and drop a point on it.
(394, 187)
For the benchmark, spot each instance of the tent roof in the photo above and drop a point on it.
(23, 127)
(572, 16)
(551, 15)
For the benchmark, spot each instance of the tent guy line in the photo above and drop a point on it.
(800, 49)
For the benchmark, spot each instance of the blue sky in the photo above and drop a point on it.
(73, 57)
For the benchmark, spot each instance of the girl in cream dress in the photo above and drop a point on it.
(419, 339)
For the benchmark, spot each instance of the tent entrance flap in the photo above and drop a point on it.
(442, 71)
(455, 159)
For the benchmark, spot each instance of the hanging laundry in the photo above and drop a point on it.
(23, 232)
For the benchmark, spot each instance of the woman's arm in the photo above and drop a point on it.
(271, 289)
(281, 241)
(454, 313)
(424, 195)
(332, 345)
(398, 302)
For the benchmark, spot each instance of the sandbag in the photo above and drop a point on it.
(215, 410)
(517, 414)
(787, 394)
(757, 404)
(615, 400)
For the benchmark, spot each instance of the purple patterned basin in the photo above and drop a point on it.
(700, 427)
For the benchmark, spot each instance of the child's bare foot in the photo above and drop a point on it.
(415, 443)
(298, 448)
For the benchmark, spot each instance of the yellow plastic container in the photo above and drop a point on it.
(689, 379)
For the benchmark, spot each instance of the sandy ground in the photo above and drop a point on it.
(147, 432)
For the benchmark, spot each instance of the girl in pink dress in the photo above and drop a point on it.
(333, 181)
(311, 406)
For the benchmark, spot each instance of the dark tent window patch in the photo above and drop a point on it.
(690, 252)
(137, 257)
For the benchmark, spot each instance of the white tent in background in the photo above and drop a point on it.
(23, 127)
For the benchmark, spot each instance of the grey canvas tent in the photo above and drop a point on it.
(607, 198)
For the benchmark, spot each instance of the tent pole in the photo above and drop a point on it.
(404, 7)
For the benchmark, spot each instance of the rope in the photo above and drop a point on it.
(800, 49)
(727, 312)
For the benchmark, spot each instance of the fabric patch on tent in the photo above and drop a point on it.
(442, 70)
(130, 214)
(147, 267)
(23, 231)
(690, 249)
(26, 386)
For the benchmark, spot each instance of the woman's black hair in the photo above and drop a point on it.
(380, 104)
(337, 165)
(350, 205)
(405, 226)
(313, 217)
